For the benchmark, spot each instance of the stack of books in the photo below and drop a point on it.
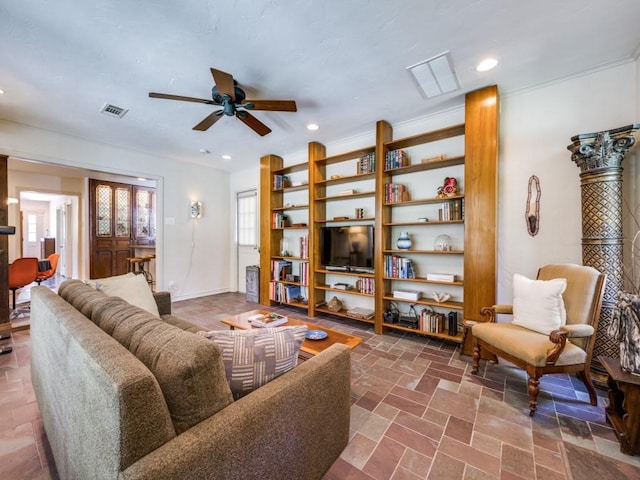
(267, 320)
(441, 277)
(407, 294)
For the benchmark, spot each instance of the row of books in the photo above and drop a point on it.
(451, 210)
(280, 269)
(286, 293)
(434, 322)
(366, 285)
(395, 159)
(395, 192)
(396, 266)
(367, 163)
(280, 181)
(304, 246)
(304, 272)
(279, 220)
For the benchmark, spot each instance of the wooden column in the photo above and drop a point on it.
(269, 237)
(481, 204)
(4, 241)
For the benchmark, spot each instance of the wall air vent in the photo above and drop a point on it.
(113, 111)
(435, 76)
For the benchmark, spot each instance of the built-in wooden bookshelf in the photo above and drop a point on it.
(473, 222)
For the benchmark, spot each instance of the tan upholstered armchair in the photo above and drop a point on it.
(567, 348)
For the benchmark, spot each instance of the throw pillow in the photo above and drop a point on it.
(538, 304)
(254, 357)
(132, 288)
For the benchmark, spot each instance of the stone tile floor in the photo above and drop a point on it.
(417, 413)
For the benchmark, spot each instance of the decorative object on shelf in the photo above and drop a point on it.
(404, 241)
(440, 297)
(625, 329)
(284, 247)
(359, 212)
(443, 243)
(437, 158)
(423, 219)
(334, 305)
(532, 211)
(449, 188)
(409, 319)
(392, 314)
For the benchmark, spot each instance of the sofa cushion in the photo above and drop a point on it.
(538, 304)
(188, 368)
(254, 357)
(130, 287)
(82, 297)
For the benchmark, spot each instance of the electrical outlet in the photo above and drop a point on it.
(171, 286)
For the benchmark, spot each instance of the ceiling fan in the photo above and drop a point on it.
(231, 98)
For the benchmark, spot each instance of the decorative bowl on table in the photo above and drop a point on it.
(316, 335)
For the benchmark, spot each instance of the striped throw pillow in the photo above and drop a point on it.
(254, 357)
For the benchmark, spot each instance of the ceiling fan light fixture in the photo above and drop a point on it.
(313, 126)
(435, 76)
(486, 64)
(226, 157)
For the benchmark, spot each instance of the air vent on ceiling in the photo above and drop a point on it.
(435, 76)
(113, 111)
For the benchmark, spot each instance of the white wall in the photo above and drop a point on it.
(536, 127)
(189, 252)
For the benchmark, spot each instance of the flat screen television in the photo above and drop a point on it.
(347, 246)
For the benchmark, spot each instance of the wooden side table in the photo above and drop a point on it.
(623, 412)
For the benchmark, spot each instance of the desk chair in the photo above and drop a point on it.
(44, 275)
(22, 272)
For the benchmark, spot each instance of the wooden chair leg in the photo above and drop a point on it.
(585, 376)
(534, 389)
(476, 359)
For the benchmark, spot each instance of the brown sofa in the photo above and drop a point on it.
(127, 395)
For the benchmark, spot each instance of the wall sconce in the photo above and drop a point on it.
(196, 209)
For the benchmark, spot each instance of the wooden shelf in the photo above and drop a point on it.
(427, 137)
(427, 165)
(367, 219)
(291, 189)
(434, 222)
(290, 207)
(343, 314)
(351, 291)
(346, 197)
(438, 252)
(346, 179)
(443, 336)
(425, 301)
(457, 283)
(338, 272)
(423, 201)
(343, 157)
(298, 167)
(281, 257)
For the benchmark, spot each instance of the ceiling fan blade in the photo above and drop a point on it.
(224, 82)
(253, 123)
(180, 97)
(209, 121)
(274, 105)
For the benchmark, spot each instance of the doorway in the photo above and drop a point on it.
(247, 250)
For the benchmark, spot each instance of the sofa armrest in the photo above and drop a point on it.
(295, 426)
(163, 300)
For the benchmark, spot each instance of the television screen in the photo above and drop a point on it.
(349, 246)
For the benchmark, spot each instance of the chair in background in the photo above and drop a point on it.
(45, 274)
(543, 353)
(22, 272)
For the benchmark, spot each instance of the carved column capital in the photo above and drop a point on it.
(606, 149)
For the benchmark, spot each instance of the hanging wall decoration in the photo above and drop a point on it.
(532, 211)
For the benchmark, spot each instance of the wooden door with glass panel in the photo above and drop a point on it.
(110, 214)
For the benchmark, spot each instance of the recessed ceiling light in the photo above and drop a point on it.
(486, 64)
(204, 151)
(1, 91)
(313, 126)
(226, 157)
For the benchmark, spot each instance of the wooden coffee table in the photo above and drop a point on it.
(310, 347)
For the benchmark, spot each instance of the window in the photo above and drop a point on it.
(247, 218)
(32, 225)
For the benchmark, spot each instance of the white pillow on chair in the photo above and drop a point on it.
(538, 304)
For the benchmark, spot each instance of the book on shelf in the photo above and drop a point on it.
(396, 158)
(441, 277)
(367, 163)
(342, 286)
(267, 320)
(407, 294)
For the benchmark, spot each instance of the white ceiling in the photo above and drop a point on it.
(343, 61)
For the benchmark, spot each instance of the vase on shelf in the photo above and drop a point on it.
(404, 241)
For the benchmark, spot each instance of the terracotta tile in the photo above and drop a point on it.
(369, 401)
(576, 431)
(416, 462)
(405, 405)
(505, 431)
(549, 459)
(412, 395)
(486, 444)
(412, 439)
(385, 458)
(549, 474)
(470, 456)
(342, 470)
(454, 404)
(436, 416)
(445, 467)
(507, 412)
(605, 432)
(427, 384)
(470, 389)
(459, 429)
(386, 411)
(402, 473)
(518, 461)
(545, 441)
(420, 425)
(472, 473)
(359, 450)
(374, 427)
